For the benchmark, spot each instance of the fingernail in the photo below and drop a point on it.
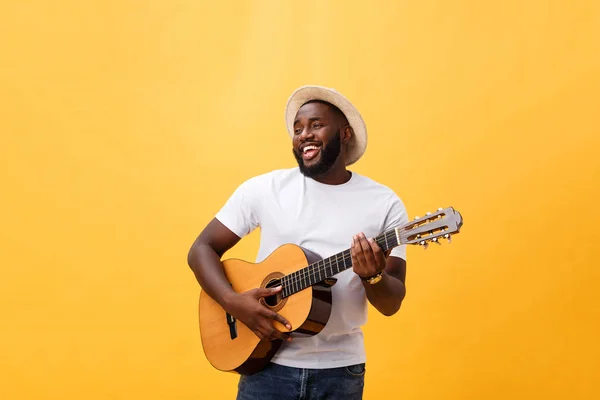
(277, 288)
(289, 327)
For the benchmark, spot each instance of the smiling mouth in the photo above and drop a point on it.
(309, 152)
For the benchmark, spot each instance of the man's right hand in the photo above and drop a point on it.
(247, 308)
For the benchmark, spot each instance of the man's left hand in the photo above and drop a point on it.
(367, 257)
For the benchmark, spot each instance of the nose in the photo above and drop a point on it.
(306, 134)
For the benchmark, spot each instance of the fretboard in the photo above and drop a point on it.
(328, 267)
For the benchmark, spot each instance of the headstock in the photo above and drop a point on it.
(433, 227)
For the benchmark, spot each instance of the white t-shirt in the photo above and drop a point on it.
(291, 208)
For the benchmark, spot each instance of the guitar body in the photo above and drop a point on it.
(230, 345)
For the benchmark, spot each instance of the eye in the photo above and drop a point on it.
(317, 125)
(297, 131)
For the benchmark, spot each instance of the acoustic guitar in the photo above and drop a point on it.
(305, 299)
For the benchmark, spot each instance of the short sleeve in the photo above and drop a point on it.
(240, 213)
(396, 216)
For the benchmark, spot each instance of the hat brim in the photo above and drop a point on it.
(358, 143)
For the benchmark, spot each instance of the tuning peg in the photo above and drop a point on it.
(435, 240)
(440, 209)
(424, 244)
(447, 236)
(428, 213)
(417, 217)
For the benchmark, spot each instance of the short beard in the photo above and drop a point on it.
(329, 155)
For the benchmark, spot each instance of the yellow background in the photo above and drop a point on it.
(125, 125)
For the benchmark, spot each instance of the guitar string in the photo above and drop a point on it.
(313, 269)
(310, 269)
(297, 280)
(321, 266)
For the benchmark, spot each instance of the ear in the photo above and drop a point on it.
(347, 134)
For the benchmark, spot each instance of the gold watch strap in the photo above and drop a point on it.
(373, 279)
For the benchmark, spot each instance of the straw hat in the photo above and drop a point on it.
(358, 142)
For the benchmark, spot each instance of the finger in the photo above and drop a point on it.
(278, 335)
(258, 333)
(365, 267)
(377, 252)
(271, 333)
(366, 250)
(374, 245)
(354, 251)
(265, 292)
(357, 248)
(357, 266)
(277, 317)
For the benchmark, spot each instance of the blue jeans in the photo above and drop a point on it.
(286, 383)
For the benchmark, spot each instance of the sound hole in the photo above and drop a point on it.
(272, 301)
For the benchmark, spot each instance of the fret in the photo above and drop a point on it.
(294, 282)
(284, 284)
(305, 273)
(318, 272)
(304, 278)
(387, 246)
(319, 269)
(394, 240)
(334, 259)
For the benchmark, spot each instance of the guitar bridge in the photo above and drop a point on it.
(231, 321)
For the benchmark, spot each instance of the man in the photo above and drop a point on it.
(325, 208)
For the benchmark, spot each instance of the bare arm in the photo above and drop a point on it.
(367, 260)
(387, 294)
(204, 258)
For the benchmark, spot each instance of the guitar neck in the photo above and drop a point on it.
(330, 266)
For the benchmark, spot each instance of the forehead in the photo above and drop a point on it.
(314, 110)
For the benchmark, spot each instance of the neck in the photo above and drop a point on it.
(336, 175)
(328, 267)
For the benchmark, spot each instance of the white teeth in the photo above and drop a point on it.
(311, 147)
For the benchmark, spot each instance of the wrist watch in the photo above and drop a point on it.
(373, 279)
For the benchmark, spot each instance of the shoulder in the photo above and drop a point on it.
(383, 195)
(269, 179)
(380, 189)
